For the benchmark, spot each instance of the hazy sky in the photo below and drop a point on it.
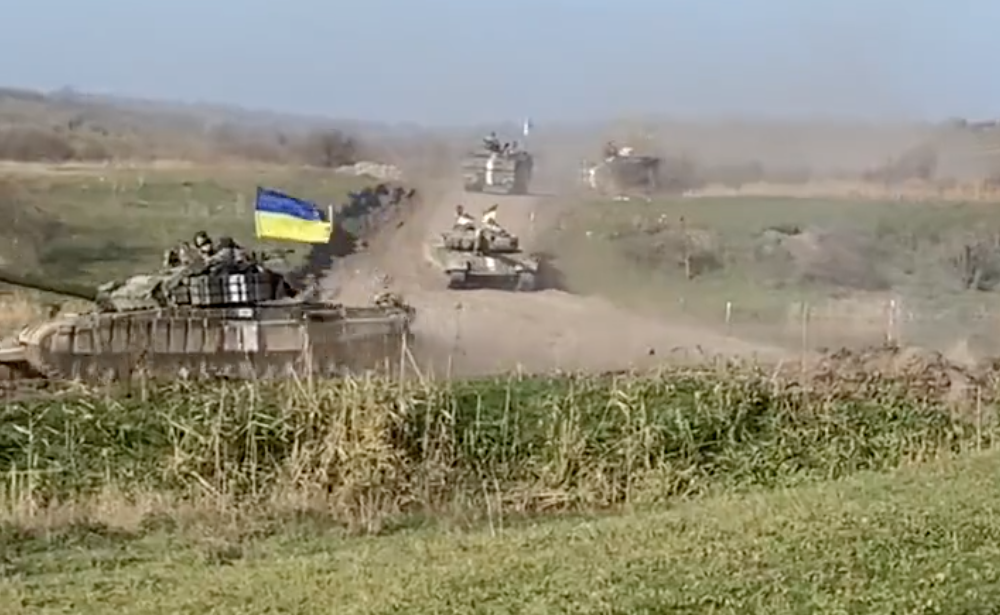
(454, 61)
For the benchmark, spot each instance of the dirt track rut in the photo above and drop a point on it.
(481, 331)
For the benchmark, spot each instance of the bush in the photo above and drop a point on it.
(34, 145)
(258, 146)
(329, 149)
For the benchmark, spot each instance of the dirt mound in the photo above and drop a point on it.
(919, 369)
(481, 331)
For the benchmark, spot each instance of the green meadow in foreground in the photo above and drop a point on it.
(732, 490)
(923, 540)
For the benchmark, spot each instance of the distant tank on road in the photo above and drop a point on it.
(498, 169)
(622, 172)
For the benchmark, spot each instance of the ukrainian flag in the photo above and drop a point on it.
(279, 216)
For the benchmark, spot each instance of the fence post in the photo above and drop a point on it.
(890, 328)
(456, 341)
(804, 333)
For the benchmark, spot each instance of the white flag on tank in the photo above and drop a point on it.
(527, 126)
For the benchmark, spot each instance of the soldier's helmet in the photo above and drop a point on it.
(202, 241)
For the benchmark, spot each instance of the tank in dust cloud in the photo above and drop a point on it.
(505, 172)
(481, 259)
(241, 320)
(619, 175)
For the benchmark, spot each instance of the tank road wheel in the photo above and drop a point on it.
(457, 279)
(525, 282)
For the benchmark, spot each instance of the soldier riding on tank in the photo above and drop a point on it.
(490, 222)
(181, 256)
(204, 244)
(229, 253)
(492, 143)
(489, 230)
(463, 221)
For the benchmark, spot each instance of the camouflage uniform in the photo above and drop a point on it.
(463, 220)
(491, 142)
(229, 253)
(204, 244)
(183, 255)
(490, 220)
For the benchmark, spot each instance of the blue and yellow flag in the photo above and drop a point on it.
(279, 216)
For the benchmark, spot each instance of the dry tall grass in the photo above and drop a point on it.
(370, 453)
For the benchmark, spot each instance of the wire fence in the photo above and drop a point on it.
(857, 322)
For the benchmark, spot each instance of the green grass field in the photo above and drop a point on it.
(110, 224)
(767, 256)
(715, 490)
(922, 540)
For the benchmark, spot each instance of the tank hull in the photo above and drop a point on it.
(622, 176)
(468, 270)
(262, 342)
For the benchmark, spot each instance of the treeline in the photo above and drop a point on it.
(326, 148)
(38, 127)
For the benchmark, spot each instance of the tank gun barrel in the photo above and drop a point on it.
(76, 291)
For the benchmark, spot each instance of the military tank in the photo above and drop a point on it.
(506, 172)
(237, 320)
(485, 259)
(617, 176)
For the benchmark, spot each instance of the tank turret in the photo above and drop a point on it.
(462, 240)
(222, 283)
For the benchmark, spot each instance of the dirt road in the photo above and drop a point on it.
(480, 331)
